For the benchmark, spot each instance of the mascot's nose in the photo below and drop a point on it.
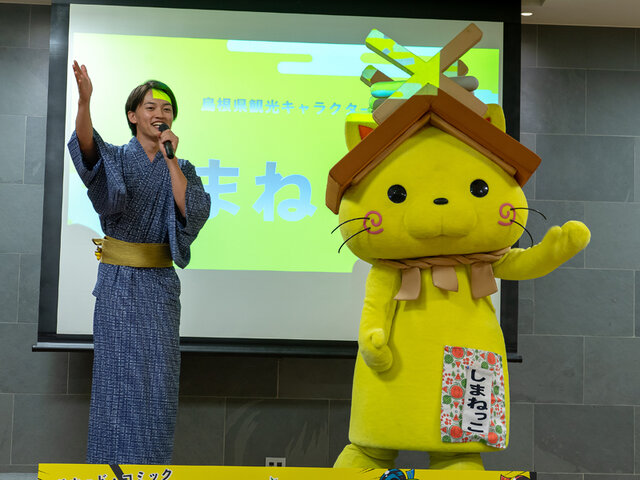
(441, 201)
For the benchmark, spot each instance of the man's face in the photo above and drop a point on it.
(150, 114)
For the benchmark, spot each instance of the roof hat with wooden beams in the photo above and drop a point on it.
(427, 97)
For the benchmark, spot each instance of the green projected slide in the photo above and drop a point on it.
(263, 122)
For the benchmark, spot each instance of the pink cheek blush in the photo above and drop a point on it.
(375, 220)
(507, 210)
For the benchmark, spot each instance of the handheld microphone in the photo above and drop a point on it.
(167, 145)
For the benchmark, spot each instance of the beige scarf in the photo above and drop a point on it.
(443, 271)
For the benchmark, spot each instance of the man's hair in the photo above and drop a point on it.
(137, 96)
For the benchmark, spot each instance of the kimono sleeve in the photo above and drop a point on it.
(182, 232)
(104, 181)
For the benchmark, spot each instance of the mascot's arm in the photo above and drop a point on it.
(557, 246)
(377, 315)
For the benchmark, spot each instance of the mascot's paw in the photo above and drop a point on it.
(567, 240)
(558, 245)
(374, 350)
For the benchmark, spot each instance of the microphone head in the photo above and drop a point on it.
(163, 126)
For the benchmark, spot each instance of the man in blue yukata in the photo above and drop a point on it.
(151, 206)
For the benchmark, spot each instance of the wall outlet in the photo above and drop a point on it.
(275, 461)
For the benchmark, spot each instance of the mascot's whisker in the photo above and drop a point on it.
(357, 233)
(350, 220)
(525, 229)
(530, 209)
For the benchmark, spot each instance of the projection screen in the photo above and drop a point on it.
(262, 102)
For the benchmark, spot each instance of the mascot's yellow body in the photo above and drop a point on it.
(432, 196)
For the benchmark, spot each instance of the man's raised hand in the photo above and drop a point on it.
(85, 88)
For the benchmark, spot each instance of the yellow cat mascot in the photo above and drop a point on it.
(432, 198)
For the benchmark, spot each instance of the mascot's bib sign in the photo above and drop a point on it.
(50, 471)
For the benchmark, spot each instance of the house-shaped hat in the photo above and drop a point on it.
(427, 98)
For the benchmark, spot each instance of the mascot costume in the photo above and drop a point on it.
(430, 194)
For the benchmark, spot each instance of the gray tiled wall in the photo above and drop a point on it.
(580, 112)
(576, 397)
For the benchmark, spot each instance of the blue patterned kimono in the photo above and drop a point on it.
(136, 366)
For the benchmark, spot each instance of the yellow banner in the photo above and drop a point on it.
(55, 471)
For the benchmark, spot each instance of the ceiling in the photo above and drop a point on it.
(609, 13)
(604, 13)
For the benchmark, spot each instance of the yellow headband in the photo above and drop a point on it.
(160, 95)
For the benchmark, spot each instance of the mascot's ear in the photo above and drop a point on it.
(495, 115)
(358, 126)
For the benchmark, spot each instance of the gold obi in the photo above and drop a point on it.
(145, 255)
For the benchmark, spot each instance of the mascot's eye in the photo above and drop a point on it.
(397, 193)
(479, 188)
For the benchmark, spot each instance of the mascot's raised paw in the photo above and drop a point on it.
(558, 245)
(562, 243)
(573, 237)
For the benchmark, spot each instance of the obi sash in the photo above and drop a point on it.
(146, 255)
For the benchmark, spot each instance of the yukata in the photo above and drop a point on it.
(136, 367)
